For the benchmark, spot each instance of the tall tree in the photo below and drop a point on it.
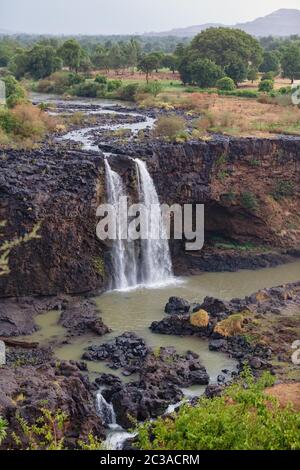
(71, 54)
(290, 62)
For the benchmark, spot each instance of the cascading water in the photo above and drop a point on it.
(123, 251)
(156, 262)
(154, 265)
(105, 410)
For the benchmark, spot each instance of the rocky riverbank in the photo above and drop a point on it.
(258, 330)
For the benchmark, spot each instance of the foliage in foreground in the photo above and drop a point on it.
(245, 418)
(47, 433)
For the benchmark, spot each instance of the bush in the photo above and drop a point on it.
(268, 76)
(283, 189)
(266, 86)
(26, 121)
(200, 319)
(89, 90)
(128, 92)
(15, 93)
(226, 83)
(101, 79)
(231, 326)
(114, 85)
(249, 201)
(154, 88)
(239, 93)
(169, 126)
(245, 418)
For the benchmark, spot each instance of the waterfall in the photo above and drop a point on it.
(123, 251)
(156, 260)
(105, 410)
(154, 265)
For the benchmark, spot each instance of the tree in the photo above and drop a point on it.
(42, 61)
(237, 70)
(290, 62)
(226, 46)
(271, 62)
(71, 54)
(115, 57)
(147, 64)
(252, 74)
(170, 62)
(15, 93)
(205, 73)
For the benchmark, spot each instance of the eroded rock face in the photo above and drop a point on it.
(27, 389)
(61, 188)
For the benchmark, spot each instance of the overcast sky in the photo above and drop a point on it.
(127, 16)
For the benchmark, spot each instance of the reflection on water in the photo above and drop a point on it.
(136, 310)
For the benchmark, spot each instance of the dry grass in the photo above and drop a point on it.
(236, 116)
(169, 126)
(200, 319)
(231, 326)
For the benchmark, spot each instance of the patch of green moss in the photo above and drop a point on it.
(99, 266)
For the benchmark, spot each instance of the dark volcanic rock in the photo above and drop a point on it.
(177, 305)
(161, 377)
(81, 317)
(178, 325)
(127, 351)
(61, 387)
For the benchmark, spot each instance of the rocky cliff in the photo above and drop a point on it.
(250, 188)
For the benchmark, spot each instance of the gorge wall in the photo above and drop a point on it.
(250, 188)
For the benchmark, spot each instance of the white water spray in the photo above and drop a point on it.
(156, 262)
(124, 258)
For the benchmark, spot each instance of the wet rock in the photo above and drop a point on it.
(177, 305)
(126, 351)
(214, 390)
(160, 380)
(108, 379)
(80, 317)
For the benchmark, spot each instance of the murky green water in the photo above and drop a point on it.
(136, 310)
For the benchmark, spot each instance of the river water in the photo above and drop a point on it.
(135, 309)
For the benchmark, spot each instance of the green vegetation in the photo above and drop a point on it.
(8, 246)
(266, 86)
(249, 201)
(226, 84)
(244, 418)
(283, 189)
(3, 429)
(169, 126)
(47, 433)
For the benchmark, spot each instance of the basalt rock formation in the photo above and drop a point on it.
(250, 188)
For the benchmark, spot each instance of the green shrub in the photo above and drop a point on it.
(89, 90)
(169, 126)
(239, 93)
(245, 418)
(226, 83)
(128, 92)
(113, 85)
(268, 76)
(249, 201)
(101, 79)
(266, 86)
(3, 429)
(283, 189)
(15, 93)
(154, 88)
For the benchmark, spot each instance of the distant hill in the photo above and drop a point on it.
(284, 22)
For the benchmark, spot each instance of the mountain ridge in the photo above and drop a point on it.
(282, 22)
